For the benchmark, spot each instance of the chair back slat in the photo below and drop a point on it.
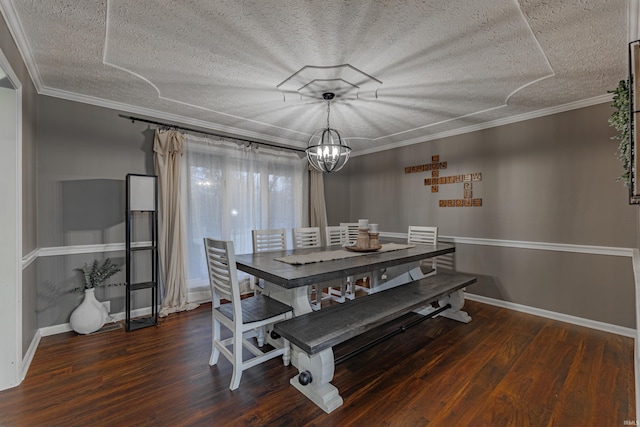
(269, 240)
(446, 262)
(307, 237)
(422, 235)
(223, 275)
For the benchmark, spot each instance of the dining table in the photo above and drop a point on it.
(287, 274)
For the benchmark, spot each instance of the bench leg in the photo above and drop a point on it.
(456, 299)
(315, 373)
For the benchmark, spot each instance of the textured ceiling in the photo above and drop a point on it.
(404, 71)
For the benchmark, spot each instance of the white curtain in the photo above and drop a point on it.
(168, 148)
(233, 189)
(318, 206)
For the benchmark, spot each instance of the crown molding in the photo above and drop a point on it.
(633, 14)
(494, 123)
(174, 118)
(17, 32)
(16, 29)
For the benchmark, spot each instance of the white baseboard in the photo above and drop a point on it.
(66, 327)
(587, 323)
(146, 311)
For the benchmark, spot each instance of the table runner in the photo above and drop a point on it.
(337, 254)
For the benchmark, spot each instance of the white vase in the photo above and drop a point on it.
(90, 315)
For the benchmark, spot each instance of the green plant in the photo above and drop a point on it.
(95, 275)
(620, 121)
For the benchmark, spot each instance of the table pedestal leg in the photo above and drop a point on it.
(315, 373)
(296, 298)
(392, 277)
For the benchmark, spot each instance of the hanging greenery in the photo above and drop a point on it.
(620, 121)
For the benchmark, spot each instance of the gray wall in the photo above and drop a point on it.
(29, 196)
(550, 180)
(84, 155)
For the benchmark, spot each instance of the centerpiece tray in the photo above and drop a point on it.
(354, 248)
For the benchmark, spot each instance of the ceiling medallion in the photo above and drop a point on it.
(345, 81)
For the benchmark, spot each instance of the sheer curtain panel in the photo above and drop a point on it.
(168, 149)
(318, 217)
(233, 189)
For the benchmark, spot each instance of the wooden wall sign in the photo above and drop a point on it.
(436, 179)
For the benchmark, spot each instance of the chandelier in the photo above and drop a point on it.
(326, 150)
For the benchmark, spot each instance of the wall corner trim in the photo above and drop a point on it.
(30, 353)
(30, 257)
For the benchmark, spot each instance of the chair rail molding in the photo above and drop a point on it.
(87, 249)
(520, 244)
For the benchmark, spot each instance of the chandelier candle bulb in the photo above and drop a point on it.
(326, 150)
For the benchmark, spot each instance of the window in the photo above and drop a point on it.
(233, 189)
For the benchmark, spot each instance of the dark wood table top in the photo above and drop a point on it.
(265, 266)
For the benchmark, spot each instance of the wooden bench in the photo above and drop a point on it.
(316, 333)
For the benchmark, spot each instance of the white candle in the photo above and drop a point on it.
(373, 228)
(363, 223)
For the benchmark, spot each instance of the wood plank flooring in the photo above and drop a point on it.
(502, 369)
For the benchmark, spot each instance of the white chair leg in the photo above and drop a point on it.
(318, 297)
(215, 338)
(286, 356)
(237, 361)
(260, 334)
(341, 298)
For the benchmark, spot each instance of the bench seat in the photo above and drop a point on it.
(328, 327)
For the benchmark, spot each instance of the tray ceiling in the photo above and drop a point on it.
(404, 71)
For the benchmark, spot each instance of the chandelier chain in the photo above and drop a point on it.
(328, 112)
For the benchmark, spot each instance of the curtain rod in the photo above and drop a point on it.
(172, 126)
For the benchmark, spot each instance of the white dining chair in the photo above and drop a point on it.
(333, 235)
(269, 240)
(424, 235)
(240, 316)
(274, 239)
(337, 235)
(349, 232)
(306, 237)
(349, 237)
(309, 237)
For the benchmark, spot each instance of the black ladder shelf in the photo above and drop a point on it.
(141, 209)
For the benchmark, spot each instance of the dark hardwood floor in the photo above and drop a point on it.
(503, 369)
